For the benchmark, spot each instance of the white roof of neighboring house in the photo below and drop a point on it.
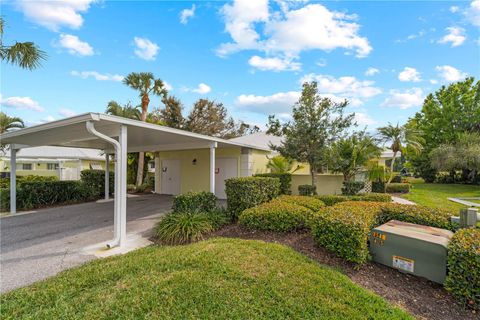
(57, 153)
(389, 154)
(259, 139)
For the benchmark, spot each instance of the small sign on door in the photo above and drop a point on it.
(164, 169)
(217, 170)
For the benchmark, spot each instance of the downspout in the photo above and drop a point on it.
(91, 129)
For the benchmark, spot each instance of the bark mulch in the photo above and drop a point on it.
(420, 297)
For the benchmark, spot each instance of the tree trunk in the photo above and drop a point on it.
(391, 167)
(141, 155)
(313, 173)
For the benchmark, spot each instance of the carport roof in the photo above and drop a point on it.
(72, 132)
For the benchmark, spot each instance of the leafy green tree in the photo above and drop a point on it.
(210, 118)
(146, 84)
(8, 123)
(171, 115)
(317, 122)
(351, 154)
(279, 164)
(24, 54)
(403, 139)
(463, 154)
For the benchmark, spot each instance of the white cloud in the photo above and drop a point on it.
(167, 86)
(291, 30)
(321, 62)
(187, 14)
(55, 14)
(454, 9)
(97, 75)
(404, 100)
(371, 72)
(74, 45)
(21, 103)
(274, 64)
(48, 119)
(456, 36)
(145, 49)
(347, 87)
(433, 81)
(65, 112)
(364, 119)
(202, 89)
(280, 102)
(409, 74)
(473, 13)
(450, 74)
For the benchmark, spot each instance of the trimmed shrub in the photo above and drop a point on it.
(183, 227)
(33, 195)
(247, 192)
(397, 179)
(398, 188)
(372, 196)
(194, 201)
(218, 218)
(276, 216)
(344, 229)
(463, 278)
(285, 180)
(95, 181)
(331, 199)
(5, 182)
(307, 190)
(351, 188)
(378, 186)
(307, 202)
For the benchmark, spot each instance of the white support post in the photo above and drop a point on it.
(212, 167)
(158, 173)
(13, 179)
(122, 190)
(107, 176)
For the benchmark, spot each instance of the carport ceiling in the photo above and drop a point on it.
(72, 132)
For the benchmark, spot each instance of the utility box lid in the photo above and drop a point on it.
(424, 233)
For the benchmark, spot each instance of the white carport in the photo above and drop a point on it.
(114, 135)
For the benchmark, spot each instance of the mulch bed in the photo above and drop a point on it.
(420, 297)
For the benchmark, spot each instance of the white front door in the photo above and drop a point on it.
(170, 177)
(225, 168)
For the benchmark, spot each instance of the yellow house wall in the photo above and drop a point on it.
(196, 177)
(326, 183)
(260, 161)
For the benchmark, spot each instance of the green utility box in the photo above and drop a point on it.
(412, 248)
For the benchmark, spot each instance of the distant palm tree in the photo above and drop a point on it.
(126, 111)
(279, 164)
(403, 138)
(24, 54)
(7, 123)
(146, 84)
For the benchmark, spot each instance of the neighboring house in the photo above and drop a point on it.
(386, 156)
(327, 183)
(61, 162)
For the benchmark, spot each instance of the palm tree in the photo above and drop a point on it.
(279, 164)
(7, 123)
(24, 54)
(403, 138)
(146, 84)
(126, 111)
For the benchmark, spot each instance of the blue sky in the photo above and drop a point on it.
(384, 57)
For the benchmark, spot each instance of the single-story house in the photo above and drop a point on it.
(63, 163)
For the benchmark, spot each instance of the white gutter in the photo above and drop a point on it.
(116, 223)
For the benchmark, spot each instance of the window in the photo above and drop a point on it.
(95, 166)
(151, 164)
(26, 166)
(52, 166)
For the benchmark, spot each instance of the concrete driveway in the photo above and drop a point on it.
(41, 244)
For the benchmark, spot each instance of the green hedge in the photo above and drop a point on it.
(31, 195)
(95, 181)
(276, 216)
(351, 188)
(344, 227)
(285, 180)
(195, 201)
(378, 186)
(5, 182)
(247, 192)
(398, 188)
(307, 202)
(307, 190)
(331, 200)
(463, 278)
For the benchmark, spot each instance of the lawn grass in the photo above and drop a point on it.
(435, 195)
(216, 279)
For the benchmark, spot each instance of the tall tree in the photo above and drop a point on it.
(171, 114)
(403, 139)
(316, 123)
(8, 123)
(146, 84)
(26, 55)
(350, 155)
(210, 118)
